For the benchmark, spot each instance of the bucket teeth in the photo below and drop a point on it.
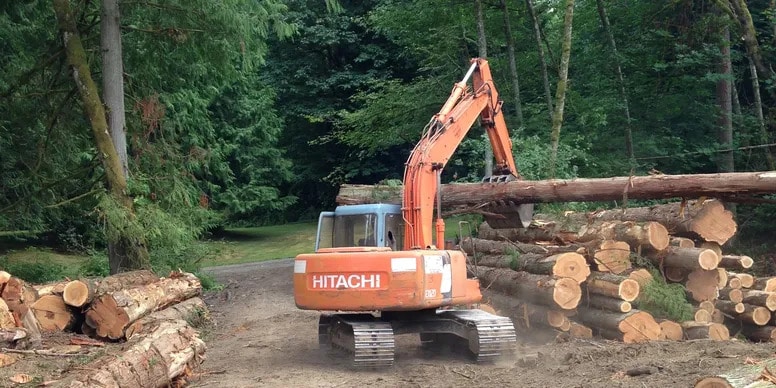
(507, 214)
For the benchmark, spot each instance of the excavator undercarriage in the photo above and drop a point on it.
(370, 338)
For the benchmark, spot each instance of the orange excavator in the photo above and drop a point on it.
(376, 271)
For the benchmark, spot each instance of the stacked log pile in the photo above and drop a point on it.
(590, 270)
(150, 313)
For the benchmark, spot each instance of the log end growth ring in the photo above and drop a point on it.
(567, 293)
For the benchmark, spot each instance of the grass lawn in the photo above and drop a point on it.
(245, 245)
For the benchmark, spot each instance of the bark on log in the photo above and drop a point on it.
(112, 313)
(703, 285)
(53, 314)
(732, 294)
(730, 308)
(709, 221)
(78, 293)
(565, 265)
(717, 316)
(670, 330)
(759, 333)
(711, 245)
(9, 337)
(642, 276)
(578, 190)
(190, 310)
(736, 262)
(765, 284)
(564, 293)
(165, 352)
(31, 324)
(703, 330)
(19, 296)
(722, 278)
(689, 258)
(537, 231)
(747, 280)
(614, 286)
(754, 314)
(635, 326)
(649, 235)
(478, 246)
(760, 298)
(743, 376)
(606, 303)
(529, 315)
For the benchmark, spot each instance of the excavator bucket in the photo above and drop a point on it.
(504, 214)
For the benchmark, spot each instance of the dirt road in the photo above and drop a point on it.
(260, 339)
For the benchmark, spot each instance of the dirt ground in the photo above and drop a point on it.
(260, 339)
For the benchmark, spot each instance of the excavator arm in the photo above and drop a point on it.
(440, 139)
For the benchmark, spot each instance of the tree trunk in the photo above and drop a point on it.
(620, 80)
(747, 280)
(758, 108)
(560, 92)
(606, 303)
(564, 265)
(53, 314)
(765, 284)
(79, 293)
(166, 351)
(650, 235)
(478, 246)
(731, 186)
(129, 252)
(730, 308)
(512, 63)
(681, 242)
(689, 258)
(190, 310)
(542, 60)
(736, 262)
(725, 104)
(705, 330)
(635, 326)
(760, 298)
(113, 78)
(614, 286)
(759, 333)
(529, 315)
(563, 293)
(754, 314)
(734, 295)
(111, 314)
(482, 46)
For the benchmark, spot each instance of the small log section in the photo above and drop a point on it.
(649, 235)
(632, 327)
(167, 350)
(111, 313)
(614, 286)
(670, 330)
(563, 292)
(705, 330)
(743, 376)
(53, 314)
(78, 293)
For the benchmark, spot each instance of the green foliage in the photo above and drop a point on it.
(665, 300)
(40, 271)
(96, 265)
(209, 283)
(514, 258)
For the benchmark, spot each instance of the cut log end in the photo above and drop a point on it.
(76, 293)
(52, 313)
(708, 259)
(703, 330)
(107, 318)
(571, 265)
(670, 330)
(658, 235)
(567, 293)
(712, 382)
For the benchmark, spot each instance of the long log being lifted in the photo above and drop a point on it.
(728, 185)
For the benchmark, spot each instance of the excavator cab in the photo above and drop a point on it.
(372, 225)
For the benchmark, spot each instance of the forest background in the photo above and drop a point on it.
(253, 112)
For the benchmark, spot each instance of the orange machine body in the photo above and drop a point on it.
(375, 278)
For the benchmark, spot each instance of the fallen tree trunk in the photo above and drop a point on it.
(606, 303)
(650, 235)
(743, 376)
(759, 333)
(689, 258)
(190, 310)
(78, 293)
(111, 313)
(726, 185)
(705, 330)
(754, 314)
(747, 280)
(736, 262)
(530, 315)
(760, 298)
(165, 352)
(614, 286)
(732, 294)
(632, 327)
(550, 232)
(765, 284)
(564, 265)
(563, 292)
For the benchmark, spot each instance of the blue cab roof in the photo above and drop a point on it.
(346, 210)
